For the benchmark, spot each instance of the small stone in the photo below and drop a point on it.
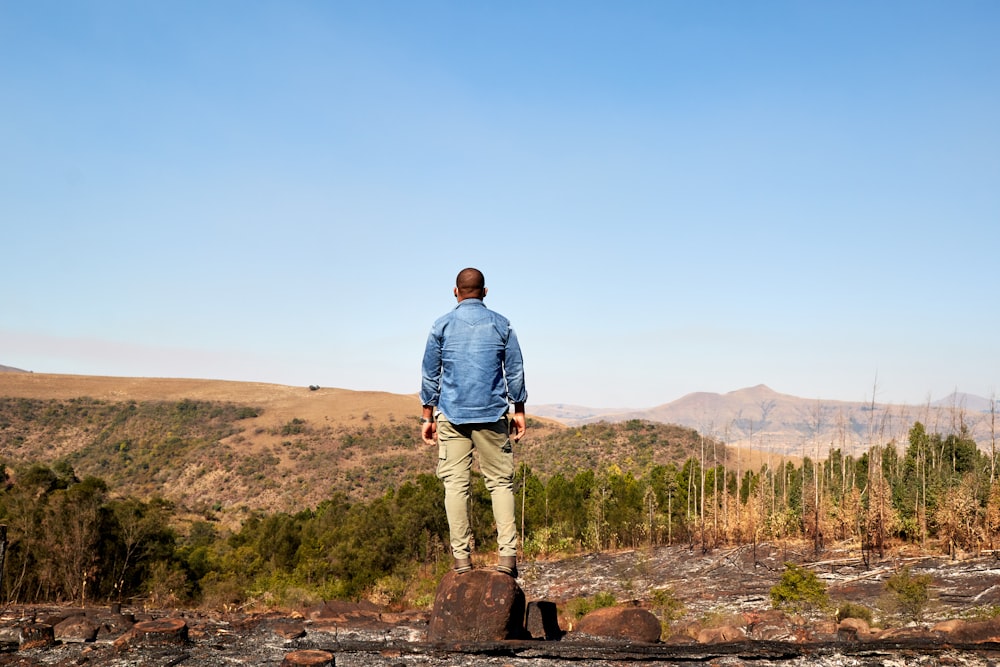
(308, 658)
(289, 629)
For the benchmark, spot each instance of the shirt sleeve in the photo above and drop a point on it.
(513, 367)
(430, 384)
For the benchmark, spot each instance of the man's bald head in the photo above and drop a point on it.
(470, 284)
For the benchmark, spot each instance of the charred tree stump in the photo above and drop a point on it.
(36, 635)
(308, 658)
(160, 632)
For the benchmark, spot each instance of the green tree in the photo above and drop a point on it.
(799, 590)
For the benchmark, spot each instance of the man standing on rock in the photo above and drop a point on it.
(472, 372)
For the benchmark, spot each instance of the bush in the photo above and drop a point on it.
(799, 590)
(908, 594)
(167, 585)
(577, 608)
(851, 610)
(666, 605)
(218, 592)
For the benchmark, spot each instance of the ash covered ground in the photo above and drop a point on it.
(731, 584)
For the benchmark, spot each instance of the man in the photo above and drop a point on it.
(472, 371)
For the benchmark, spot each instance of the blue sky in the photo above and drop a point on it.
(665, 197)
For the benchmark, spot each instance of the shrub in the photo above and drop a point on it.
(388, 591)
(167, 585)
(851, 610)
(799, 590)
(294, 427)
(982, 613)
(666, 607)
(218, 592)
(908, 594)
(579, 607)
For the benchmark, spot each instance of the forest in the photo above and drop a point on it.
(72, 538)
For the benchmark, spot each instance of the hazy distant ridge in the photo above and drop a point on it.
(763, 418)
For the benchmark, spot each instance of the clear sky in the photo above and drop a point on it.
(665, 196)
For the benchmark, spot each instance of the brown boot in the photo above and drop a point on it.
(463, 565)
(508, 565)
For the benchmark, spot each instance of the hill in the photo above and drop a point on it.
(761, 418)
(231, 448)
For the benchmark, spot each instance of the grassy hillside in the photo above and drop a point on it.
(227, 448)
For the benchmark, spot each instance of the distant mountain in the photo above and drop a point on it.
(969, 402)
(762, 418)
(10, 369)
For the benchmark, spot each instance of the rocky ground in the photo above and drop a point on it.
(727, 620)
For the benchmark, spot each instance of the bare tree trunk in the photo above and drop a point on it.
(3, 555)
(670, 513)
(704, 544)
(727, 526)
(739, 484)
(715, 492)
(993, 437)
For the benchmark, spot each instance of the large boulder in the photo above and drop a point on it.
(633, 624)
(477, 606)
(77, 628)
(970, 632)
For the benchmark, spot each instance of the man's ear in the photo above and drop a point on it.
(485, 290)
(455, 291)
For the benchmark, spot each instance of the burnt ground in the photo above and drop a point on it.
(716, 587)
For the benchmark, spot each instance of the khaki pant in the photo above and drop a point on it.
(496, 461)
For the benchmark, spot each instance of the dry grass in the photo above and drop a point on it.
(280, 403)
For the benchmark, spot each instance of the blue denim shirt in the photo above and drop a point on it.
(472, 367)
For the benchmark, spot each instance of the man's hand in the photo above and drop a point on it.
(518, 425)
(428, 431)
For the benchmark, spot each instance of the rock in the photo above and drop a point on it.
(542, 620)
(680, 639)
(36, 635)
(970, 632)
(721, 635)
(771, 625)
(624, 623)
(949, 626)
(477, 606)
(76, 629)
(822, 631)
(289, 629)
(906, 634)
(115, 625)
(308, 658)
(339, 611)
(856, 626)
